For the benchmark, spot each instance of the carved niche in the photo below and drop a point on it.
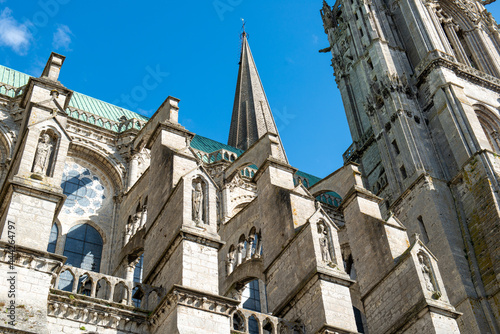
(45, 153)
(325, 243)
(428, 273)
(199, 202)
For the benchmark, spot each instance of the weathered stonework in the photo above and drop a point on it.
(420, 83)
(129, 225)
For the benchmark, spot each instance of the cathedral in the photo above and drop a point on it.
(115, 223)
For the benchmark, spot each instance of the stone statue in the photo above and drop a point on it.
(219, 212)
(427, 273)
(328, 17)
(144, 215)
(230, 262)
(43, 153)
(198, 203)
(135, 223)
(324, 242)
(128, 232)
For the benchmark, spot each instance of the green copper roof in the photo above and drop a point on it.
(101, 108)
(208, 145)
(80, 101)
(11, 78)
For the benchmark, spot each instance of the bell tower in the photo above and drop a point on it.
(420, 81)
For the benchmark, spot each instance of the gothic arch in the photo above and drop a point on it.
(84, 247)
(59, 240)
(458, 15)
(99, 229)
(5, 154)
(490, 122)
(111, 169)
(459, 23)
(6, 140)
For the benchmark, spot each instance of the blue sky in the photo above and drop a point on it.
(191, 50)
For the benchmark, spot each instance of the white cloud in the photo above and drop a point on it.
(13, 34)
(62, 37)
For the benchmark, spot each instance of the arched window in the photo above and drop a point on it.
(83, 247)
(250, 298)
(459, 27)
(54, 232)
(138, 279)
(491, 126)
(253, 325)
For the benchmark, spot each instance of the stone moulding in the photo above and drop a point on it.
(64, 305)
(440, 59)
(327, 329)
(182, 296)
(6, 330)
(302, 288)
(32, 259)
(25, 187)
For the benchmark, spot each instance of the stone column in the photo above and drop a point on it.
(133, 170)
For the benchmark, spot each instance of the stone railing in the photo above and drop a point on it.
(11, 90)
(329, 199)
(103, 122)
(82, 312)
(220, 155)
(349, 152)
(252, 322)
(248, 172)
(108, 288)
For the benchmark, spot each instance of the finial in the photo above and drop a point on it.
(243, 32)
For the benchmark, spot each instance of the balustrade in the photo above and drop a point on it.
(252, 322)
(117, 126)
(11, 90)
(109, 288)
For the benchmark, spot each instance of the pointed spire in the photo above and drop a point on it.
(252, 117)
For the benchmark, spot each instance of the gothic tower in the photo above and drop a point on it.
(420, 83)
(252, 117)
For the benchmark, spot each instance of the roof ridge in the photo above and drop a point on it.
(83, 95)
(111, 104)
(15, 71)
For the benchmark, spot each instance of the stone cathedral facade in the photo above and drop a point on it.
(115, 223)
(420, 82)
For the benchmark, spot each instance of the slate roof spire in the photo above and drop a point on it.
(252, 117)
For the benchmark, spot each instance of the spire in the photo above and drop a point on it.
(252, 117)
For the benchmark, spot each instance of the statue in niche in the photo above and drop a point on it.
(144, 215)
(197, 202)
(230, 262)
(128, 232)
(219, 212)
(324, 242)
(426, 270)
(43, 154)
(135, 223)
